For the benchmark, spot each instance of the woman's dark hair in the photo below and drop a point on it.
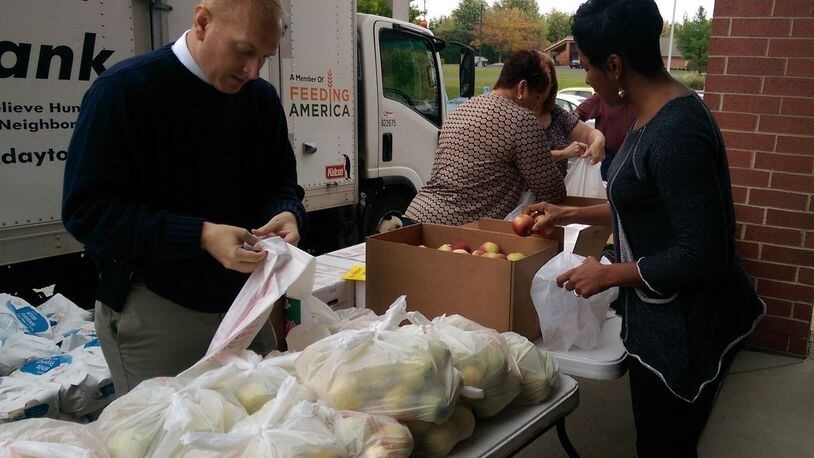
(549, 66)
(523, 65)
(629, 28)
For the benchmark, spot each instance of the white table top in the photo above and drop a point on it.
(606, 361)
(504, 433)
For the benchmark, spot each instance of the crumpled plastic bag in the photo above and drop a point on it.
(250, 381)
(20, 399)
(382, 371)
(20, 348)
(480, 354)
(86, 383)
(568, 320)
(150, 420)
(43, 437)
(435, 441)
(537, 366)
(28, 318)
(324, 321)
(285, 427)
(65, 317)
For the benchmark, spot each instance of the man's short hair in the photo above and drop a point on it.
(273, 7)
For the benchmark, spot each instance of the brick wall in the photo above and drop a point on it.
(760, 87)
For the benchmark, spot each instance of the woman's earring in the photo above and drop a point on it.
(621, 93)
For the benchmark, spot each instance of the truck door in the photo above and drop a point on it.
(410, 102)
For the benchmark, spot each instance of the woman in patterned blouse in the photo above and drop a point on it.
(568, 136)
(490, 149)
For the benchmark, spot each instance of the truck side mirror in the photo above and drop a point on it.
(466, 72)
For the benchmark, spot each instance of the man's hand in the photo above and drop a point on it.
(225, 243)
(283, 225)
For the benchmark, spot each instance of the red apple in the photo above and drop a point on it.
(445, 247)
(461, 246)
(490, 247)
(538, 219)
(477, 253)
(522, 224)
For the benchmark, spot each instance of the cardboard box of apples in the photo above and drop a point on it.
(421, 262)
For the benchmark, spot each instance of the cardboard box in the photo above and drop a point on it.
(354, 252)
(329, 287)
(492, 292)
(590, 241)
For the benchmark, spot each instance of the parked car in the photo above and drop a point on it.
(482, 61)
(570, 103)
(583, 92)
(574, 63)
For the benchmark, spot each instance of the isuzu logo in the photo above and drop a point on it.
(333, 172)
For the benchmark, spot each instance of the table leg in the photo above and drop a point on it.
(562, 434)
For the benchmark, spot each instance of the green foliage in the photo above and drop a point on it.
(693, 80)
(377, 7)
(558, 25)
(528, 7)
(692, 39)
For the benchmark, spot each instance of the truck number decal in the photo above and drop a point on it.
(388, 123)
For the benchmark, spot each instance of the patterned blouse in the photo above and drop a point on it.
(562, 123)
(489, 151)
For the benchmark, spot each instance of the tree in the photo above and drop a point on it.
(558, 24)
(378, 7)
(528, 7)
(415, 13)
(467, 18)
(507, 31)
(692, 39)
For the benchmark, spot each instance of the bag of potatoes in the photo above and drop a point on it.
(381, 371)
(537, 366)
(480, 354)
(369, 436)
(431, 440)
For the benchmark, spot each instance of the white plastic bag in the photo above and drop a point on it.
(584, 179)
(381, 371)
(21, 399)
(151, 419)
(64, 316)
(286, 270)
(19, 349)
(369, 436)
(525, 199)
(538, 368)
(285, 427)
(568, 320)
(480, 354)
(86, 383)
(43, 437)
(435, 441)
(29, 319)
(325, 321)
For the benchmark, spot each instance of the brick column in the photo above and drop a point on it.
(760, 87)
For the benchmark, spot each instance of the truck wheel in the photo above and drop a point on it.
(389, 201)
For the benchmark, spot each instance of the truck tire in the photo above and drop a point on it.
(384, 203)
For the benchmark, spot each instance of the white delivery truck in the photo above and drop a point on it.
(364, 97)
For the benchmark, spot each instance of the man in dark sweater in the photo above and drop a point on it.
(177, 153)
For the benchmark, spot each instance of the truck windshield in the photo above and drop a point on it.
(409, 73)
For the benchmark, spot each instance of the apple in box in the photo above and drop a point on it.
(461, 246)
(522, 224)
(490, 247)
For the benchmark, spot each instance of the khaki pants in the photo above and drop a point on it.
(154, 337)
